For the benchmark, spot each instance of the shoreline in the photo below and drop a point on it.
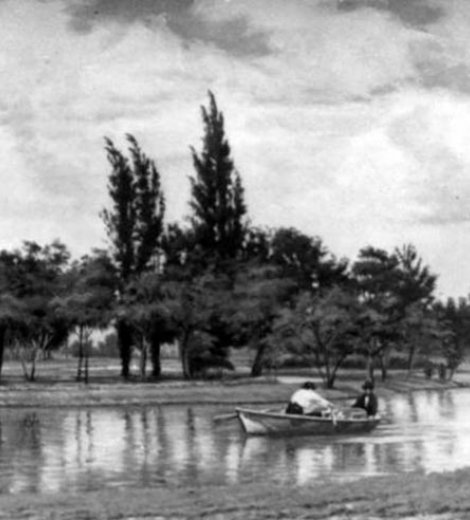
(265, 390)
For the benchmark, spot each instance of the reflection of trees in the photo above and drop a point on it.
(162, 445)
(146, 464)
(413, 407)
(446, 402)
(283, 459)
(23, 455)
(313, 462)
(29, 431)
(83, 437)
(84, 449)
(387, 456)
(349, 457)
(191, 462)
(130, 444)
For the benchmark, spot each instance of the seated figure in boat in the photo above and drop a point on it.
(367, 401)
(306, 401)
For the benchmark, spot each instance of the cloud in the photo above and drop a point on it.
(439, 65)
(187, 19)
(417, 13)
(432, 137)
(89, 13)
(435, 53)
(328, 58)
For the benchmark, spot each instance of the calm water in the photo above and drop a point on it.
(82, 449)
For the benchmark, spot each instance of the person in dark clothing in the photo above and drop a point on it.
(367, 400)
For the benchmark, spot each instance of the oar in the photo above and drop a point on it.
(225, 417)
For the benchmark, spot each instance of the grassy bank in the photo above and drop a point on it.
(55, 386)
(437, 497)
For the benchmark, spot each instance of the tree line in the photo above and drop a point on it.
(216, 282)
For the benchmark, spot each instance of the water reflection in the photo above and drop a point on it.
(83, 449)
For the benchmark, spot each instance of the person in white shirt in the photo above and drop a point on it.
(306, 401)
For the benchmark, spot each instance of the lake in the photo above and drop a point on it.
(50, 450)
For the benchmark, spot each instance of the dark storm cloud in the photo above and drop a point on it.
(234, 35)
(417, 13)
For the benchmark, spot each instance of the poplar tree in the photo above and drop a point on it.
(217, 202)
(134, 224)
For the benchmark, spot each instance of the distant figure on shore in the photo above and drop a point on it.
(306, 401)
(367, 400)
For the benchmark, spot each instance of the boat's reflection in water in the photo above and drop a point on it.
(54, 450)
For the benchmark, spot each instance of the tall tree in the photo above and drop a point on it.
(144, 305)
(134, 224)
(376, 274)
(87, 302)
(217, 202)
(11, 307)
(322, 329)
(455, 340)
(306, 260)
(194, 307)
(38, 278)
(415, 293)
(214, 244)
(417, 283)
(11, 316)
(257, 299)
(395, 290)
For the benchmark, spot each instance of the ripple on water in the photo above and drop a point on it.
(86, 449)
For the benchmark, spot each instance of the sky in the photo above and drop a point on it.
(348, 119)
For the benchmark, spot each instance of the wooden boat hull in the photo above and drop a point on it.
(266, 422)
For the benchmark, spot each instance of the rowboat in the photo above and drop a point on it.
(272, 422)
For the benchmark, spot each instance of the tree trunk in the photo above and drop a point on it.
(155, 356)
(143, 358)
(330, 381)
(3, 331)
(411, 355)
(383, 367)
(370, 367)
(32, 373)
(80, 362)
(87, 358)
(124, 334)
(257, 366)
(28, 373)
(184, 354)
(80, 354)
